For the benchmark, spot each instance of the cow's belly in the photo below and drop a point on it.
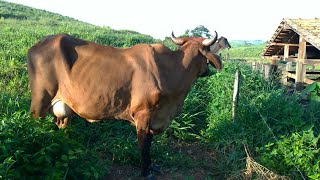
(62, 110)
(91, 107)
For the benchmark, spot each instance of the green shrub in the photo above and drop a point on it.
(296, 154)
(33, 149)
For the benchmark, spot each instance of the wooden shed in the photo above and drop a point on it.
(296, 41)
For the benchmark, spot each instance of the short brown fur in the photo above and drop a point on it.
(144, 84)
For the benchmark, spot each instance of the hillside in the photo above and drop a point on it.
(243, 43)
(39, 23)
(245, 50)
(272, 129)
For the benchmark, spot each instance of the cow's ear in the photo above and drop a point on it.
(214, 59)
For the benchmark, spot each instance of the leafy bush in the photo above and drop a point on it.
(313, 91)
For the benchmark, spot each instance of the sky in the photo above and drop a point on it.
(233, 19)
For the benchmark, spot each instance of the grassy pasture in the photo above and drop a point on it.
(280, 133)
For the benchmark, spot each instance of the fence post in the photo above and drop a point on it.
(254, 67)
(228, 56)
(235, 98)
(266, 71)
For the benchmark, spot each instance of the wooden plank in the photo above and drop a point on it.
(291, 75)
(308, 81)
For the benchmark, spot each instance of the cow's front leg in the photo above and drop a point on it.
(144, 139)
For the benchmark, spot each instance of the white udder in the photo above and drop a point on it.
(61, 109)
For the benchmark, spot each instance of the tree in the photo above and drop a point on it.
(200, 31)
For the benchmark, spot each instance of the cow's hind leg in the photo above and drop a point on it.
(144, 139)
(40, 103)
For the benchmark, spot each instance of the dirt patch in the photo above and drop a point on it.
(203, 167)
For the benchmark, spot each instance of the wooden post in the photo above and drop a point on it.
(235, 94)
(273, 69)
(254, 66)
(288, 65)
(285, 77)
(301, 68)
(286, 51)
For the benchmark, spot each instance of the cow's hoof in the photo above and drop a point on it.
(155, 168)
(150, 177)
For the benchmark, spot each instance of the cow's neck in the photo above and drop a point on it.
(190, 70)
(215, 48)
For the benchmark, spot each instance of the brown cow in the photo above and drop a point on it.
(145, 84)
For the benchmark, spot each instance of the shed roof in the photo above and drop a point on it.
(289, 31)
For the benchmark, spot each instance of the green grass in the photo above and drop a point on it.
(281, 133)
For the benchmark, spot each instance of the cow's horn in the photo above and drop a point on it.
(177, 41)
(209, 42)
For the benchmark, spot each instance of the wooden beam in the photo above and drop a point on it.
(284, 44)
(271, 58)
(286, 27)
(300, 67)
(302, 49)
(313, 62)
(290, 59)
(293, 76)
